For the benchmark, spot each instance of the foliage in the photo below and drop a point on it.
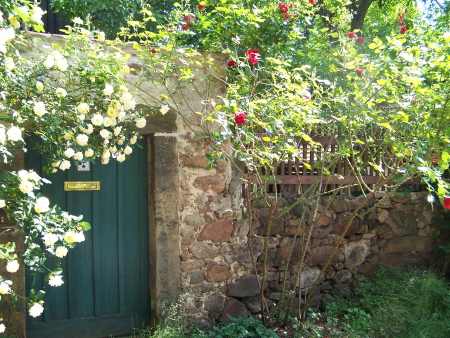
(73, 99)
(106, 16)
(382, 99)
(396, 303)
(241, 327)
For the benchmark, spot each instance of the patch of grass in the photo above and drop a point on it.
(396, 303)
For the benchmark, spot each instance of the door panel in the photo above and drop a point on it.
(105, 290)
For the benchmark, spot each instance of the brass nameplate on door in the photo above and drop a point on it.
(82, 186)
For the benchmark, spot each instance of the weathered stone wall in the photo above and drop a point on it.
(217, 270)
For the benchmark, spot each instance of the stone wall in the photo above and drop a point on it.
(217, 270)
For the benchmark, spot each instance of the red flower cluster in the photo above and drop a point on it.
(360, 39)
(153, 51)
(201, 6)
(446, 202)
(403, 30)
(231, 63)
(283, 8)
(253, 55)
(240, 118)
(189, 18)
(359, 70)
(351, 34)
(312, 2)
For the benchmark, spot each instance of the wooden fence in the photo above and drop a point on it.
(298, 173)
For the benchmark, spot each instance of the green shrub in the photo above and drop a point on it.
(240, 328)
(395, 304)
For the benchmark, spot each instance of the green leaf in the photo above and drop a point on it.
(398, 178)
(85, 226)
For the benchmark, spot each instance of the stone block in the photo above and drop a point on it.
(342, 276)
(217, 272)
(341, 221)
(215, 302)
(203, 251)
(219, 231)
(319, 256)
(407, 244)
(246, 286)
(215, 183)
(233, 308)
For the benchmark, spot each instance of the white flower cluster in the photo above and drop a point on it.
(56, 60)
(28, 181)
(103, 134)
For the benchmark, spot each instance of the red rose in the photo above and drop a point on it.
(360, 39)
(231, 63)
(287, 16)
(190, 25)
(403, 30)
(312, 2)
(183, 27)
(351, 34)
(240, 118)
(296, 15)
(189, 18)
(253, 55)
(359, 70)
(283, 8)
(201, 6)
(446, 202)
(291, 5)
(153, 51)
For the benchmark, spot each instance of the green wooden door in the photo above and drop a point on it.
(105, 290)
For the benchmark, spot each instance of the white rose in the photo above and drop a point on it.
(32, 175)
(69, 152)
(67, 136)
(23, 175)
(108, 90)
(83, 108)
(61, 64)
(87, 130)
(104, 133)
(12, 266)
(121, 158)
(2, 204)
(121, 140)
(128, 150)
(26, 187)
(133, 140)
(55, 281)
(117, 130)
(61, 92)
(123, 89)
(78, 237)
(36, 310)
(105, 156)
(50, 239)
(56, 55)
(5, 287)
(129, 105)
(61, 251)
(2, 328)
(64, 165)
(39, 86)
(39, 108)
(107, 122)
(82, 139)
(9, 64)
(42, 205)
(49, 61)
(164, 109)
(78, 156)
(68, 236)
(141, 122)
(14, 134)
(97, 119)
(37, 15)
(112, 150)
(126, 97)
(89, 153)
(78, 21)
